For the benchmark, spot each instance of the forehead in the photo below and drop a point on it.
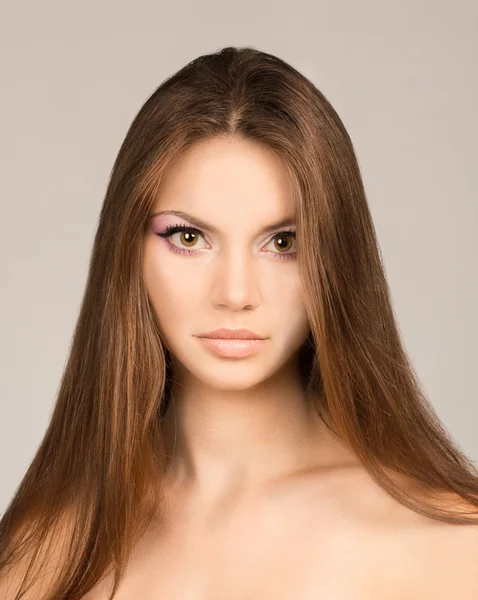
(227, 181)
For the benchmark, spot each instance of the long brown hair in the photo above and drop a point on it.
(96, 475)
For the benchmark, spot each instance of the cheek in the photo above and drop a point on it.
(283, 291)
(294, 305)
(174, 294)
(282, 297)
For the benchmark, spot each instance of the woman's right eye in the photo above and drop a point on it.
(188, 235)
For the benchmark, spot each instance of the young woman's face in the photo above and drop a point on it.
(229, 272)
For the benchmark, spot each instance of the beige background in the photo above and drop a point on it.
(403, 78)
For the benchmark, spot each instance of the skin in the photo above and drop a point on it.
(262, 502)
(238, 423)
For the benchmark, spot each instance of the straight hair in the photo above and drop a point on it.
(94, 484)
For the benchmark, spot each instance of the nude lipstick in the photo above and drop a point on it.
(235, 343)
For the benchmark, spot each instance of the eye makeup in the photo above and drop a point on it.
(170, 230)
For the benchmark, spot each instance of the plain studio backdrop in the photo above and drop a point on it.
(403, 78)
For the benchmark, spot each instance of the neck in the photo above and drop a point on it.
(219, 440)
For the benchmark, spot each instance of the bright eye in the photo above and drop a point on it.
(283, 241)
(187, 236)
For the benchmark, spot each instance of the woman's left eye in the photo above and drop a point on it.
(279, 240)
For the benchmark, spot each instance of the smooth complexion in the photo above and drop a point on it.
(237, 422)
(261, 501)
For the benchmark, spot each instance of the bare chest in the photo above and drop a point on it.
(304, 548)
(281, 558)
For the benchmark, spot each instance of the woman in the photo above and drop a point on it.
(301, 462)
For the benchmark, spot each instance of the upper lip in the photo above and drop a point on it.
(241, 334)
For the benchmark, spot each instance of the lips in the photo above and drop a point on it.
(231, 334)
(233, 347)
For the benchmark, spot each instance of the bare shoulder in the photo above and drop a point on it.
(408, 555)
(453, 551)
(448, 558)
(441, 558)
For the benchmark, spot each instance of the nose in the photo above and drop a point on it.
(236, 284)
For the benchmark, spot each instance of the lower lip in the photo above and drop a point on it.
(233, 347)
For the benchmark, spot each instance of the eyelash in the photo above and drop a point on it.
(171, 229)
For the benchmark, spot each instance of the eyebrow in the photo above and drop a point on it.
(197, 222)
